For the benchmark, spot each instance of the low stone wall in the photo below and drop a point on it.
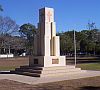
(14, 62)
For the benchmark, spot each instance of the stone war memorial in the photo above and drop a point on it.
(47, 60)
(46, 43)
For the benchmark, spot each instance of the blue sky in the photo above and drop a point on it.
(69, 14)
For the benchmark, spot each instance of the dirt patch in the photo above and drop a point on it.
(77, 84)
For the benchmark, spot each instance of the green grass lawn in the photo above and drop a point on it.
(89, 66)
(4, 68)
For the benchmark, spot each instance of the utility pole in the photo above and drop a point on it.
(75, 47)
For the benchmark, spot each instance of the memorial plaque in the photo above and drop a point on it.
(55, 61)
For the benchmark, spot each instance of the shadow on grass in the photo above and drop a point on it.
(89, 88)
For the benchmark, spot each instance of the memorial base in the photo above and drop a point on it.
(47, 61)
(44, 66)
(37, 71)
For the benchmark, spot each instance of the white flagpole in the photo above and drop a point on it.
(75, 47)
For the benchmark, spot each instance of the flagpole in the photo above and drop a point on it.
(75, 47)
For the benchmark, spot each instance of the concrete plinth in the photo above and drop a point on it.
(38, 71)
(47, 61)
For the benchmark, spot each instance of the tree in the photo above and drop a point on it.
(87, 41)
(28, 31)
(66, 42)
(11, 44)
(97, 49)
(8, 26)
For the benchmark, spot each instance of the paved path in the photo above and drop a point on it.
(35, 80)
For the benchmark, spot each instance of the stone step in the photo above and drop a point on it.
(28, 70)
(58, 68)
(49, 74)
(62, 74)
(59, 71)
(28, 74)
(47, 71)
(29, 67)
(48, 68)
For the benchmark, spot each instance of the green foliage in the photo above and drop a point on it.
(88, 41)
(66, 42)
(28, 31)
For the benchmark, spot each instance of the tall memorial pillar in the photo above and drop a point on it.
(46, 43)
